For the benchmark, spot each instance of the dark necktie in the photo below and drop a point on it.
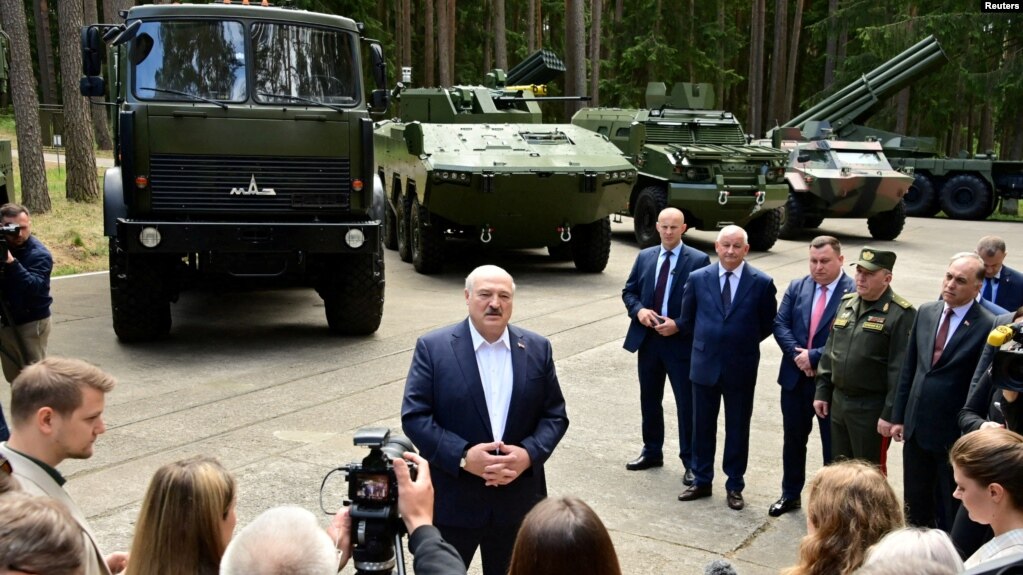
(726, 292)
(939, 340)
(989, 294)
(817, 314)
(662, 283)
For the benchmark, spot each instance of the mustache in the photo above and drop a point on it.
(493, 311)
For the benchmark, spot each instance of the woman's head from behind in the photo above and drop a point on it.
(186, 520)
(851, 506)
(988, 469)
(562, 535)
(914, 542)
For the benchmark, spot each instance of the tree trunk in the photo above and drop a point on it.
(44, 54)
(452, 28)
(429, 56)
(831, 51)
(793, 63)
(406, 22)
(443, 47)
(500, 36)
(778, 75)
(34, 193)
(596, 12)
(575, 53)
(531, 26)
(81, 160)
(719, 59)
(488, 49)
(112, 9)
(986, 142)
(100, 126)
(756, 68)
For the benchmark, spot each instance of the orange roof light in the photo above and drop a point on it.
(357, 185)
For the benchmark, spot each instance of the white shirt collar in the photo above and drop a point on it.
(737, 272)
(478, 340)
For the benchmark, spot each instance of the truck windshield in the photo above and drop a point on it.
(189, 60)
(295, 62)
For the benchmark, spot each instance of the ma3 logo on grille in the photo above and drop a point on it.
(253, 190)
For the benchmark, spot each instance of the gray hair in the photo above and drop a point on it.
(912, 542)
(281, 541)
(731, 229)
(486, 271)
(975, 258)
(39, 535)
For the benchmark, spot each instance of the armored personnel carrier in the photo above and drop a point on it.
(696, 159)
(830, 178)
(476, 162)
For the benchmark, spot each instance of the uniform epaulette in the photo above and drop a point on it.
(849, 295)
(901, 301)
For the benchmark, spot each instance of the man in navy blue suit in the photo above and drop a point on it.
(801, 330)
(728, 309)
(652, 296)
(1002, 284)
(484, 406)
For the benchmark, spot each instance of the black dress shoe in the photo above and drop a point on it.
(643, 462)
(688, 478)
(784, 505)
(735, 500)
(695, 492)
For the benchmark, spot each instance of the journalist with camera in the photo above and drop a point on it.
(24, 295)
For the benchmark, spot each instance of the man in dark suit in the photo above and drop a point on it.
(728, 309)
(652, 296)
(484, 406)
(801, 330)
(1002, 284)
(944, 348)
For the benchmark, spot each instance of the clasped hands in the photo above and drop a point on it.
(497, 462)
(659, 323)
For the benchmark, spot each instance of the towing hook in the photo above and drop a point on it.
(566, 232)
(723, 198)
(760, 197)
(486, 234)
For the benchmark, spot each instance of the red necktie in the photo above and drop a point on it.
(818, 313)
(662, 283)
(939, 340)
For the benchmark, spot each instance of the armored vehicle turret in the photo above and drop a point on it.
(696, 159)
(475, 162)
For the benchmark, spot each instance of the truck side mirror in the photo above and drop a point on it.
(92, 51)
(803, 158)
(379, 65)
(92, 86)
(414, 138)
(378, 101)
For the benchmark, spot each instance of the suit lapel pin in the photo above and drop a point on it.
(522, 345)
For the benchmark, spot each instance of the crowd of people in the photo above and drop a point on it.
(484, 406)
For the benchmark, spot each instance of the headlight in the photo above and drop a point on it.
(355, 238)
(149, 237)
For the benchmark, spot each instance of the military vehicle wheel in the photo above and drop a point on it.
(591, 245)
(794, 218)
(812, 222)
(888, 225)
(353, 294)
(427, 240)
(921, 200)
(402, 234)
(649, 203)
(561, 251)
(966, 197)
(763, 231)
(390, 231)
(139, 303)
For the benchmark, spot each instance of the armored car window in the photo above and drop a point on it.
(189, 60)
(299, 62)
(864, 158)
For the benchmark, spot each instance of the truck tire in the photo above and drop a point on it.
(402, 232)
(390, 230)
(427, 240)
(966, 197)
(353, 294)
(591, 245)
(794, 218)
(649, 203)
(139, 304)
(888, 225)
(921, 200)
(763, 230)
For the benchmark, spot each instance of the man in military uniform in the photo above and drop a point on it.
(859, 371)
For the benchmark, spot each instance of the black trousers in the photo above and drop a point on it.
(928, 485)
(495, 543)
(797, 421)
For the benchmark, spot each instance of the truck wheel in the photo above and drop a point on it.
(390, 230)
(763, 230)
(402, 229)
(888, 225)
(921, 200)
(353, 294)
(966, 197)
(794, 218)
(138, 301)
(812, 222)
(591, 245)
(649, 203)
(427, 240)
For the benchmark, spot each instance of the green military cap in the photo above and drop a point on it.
(874, 260)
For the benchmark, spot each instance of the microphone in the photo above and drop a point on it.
(1003, 334)
(719, 567)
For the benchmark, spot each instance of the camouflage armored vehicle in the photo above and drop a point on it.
(475, 162)
(831, 178)
(696, 159)
(244, 156)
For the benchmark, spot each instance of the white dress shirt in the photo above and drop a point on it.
(495, 364)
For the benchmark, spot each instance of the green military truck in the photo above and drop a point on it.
(244, 154)
(696, 159)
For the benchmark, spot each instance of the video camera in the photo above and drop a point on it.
(6, 230)
(1007, 368)
(373, 495)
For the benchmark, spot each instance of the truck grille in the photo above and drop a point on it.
(235, 184)
(695, 133)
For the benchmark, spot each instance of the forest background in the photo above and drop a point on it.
(767, 60)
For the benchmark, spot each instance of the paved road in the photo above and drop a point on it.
(254, 379)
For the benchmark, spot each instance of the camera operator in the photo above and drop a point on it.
(25, 297)
(432, 554)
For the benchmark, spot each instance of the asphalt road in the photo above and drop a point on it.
(255, 379)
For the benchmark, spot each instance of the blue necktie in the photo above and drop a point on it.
(989, 294)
